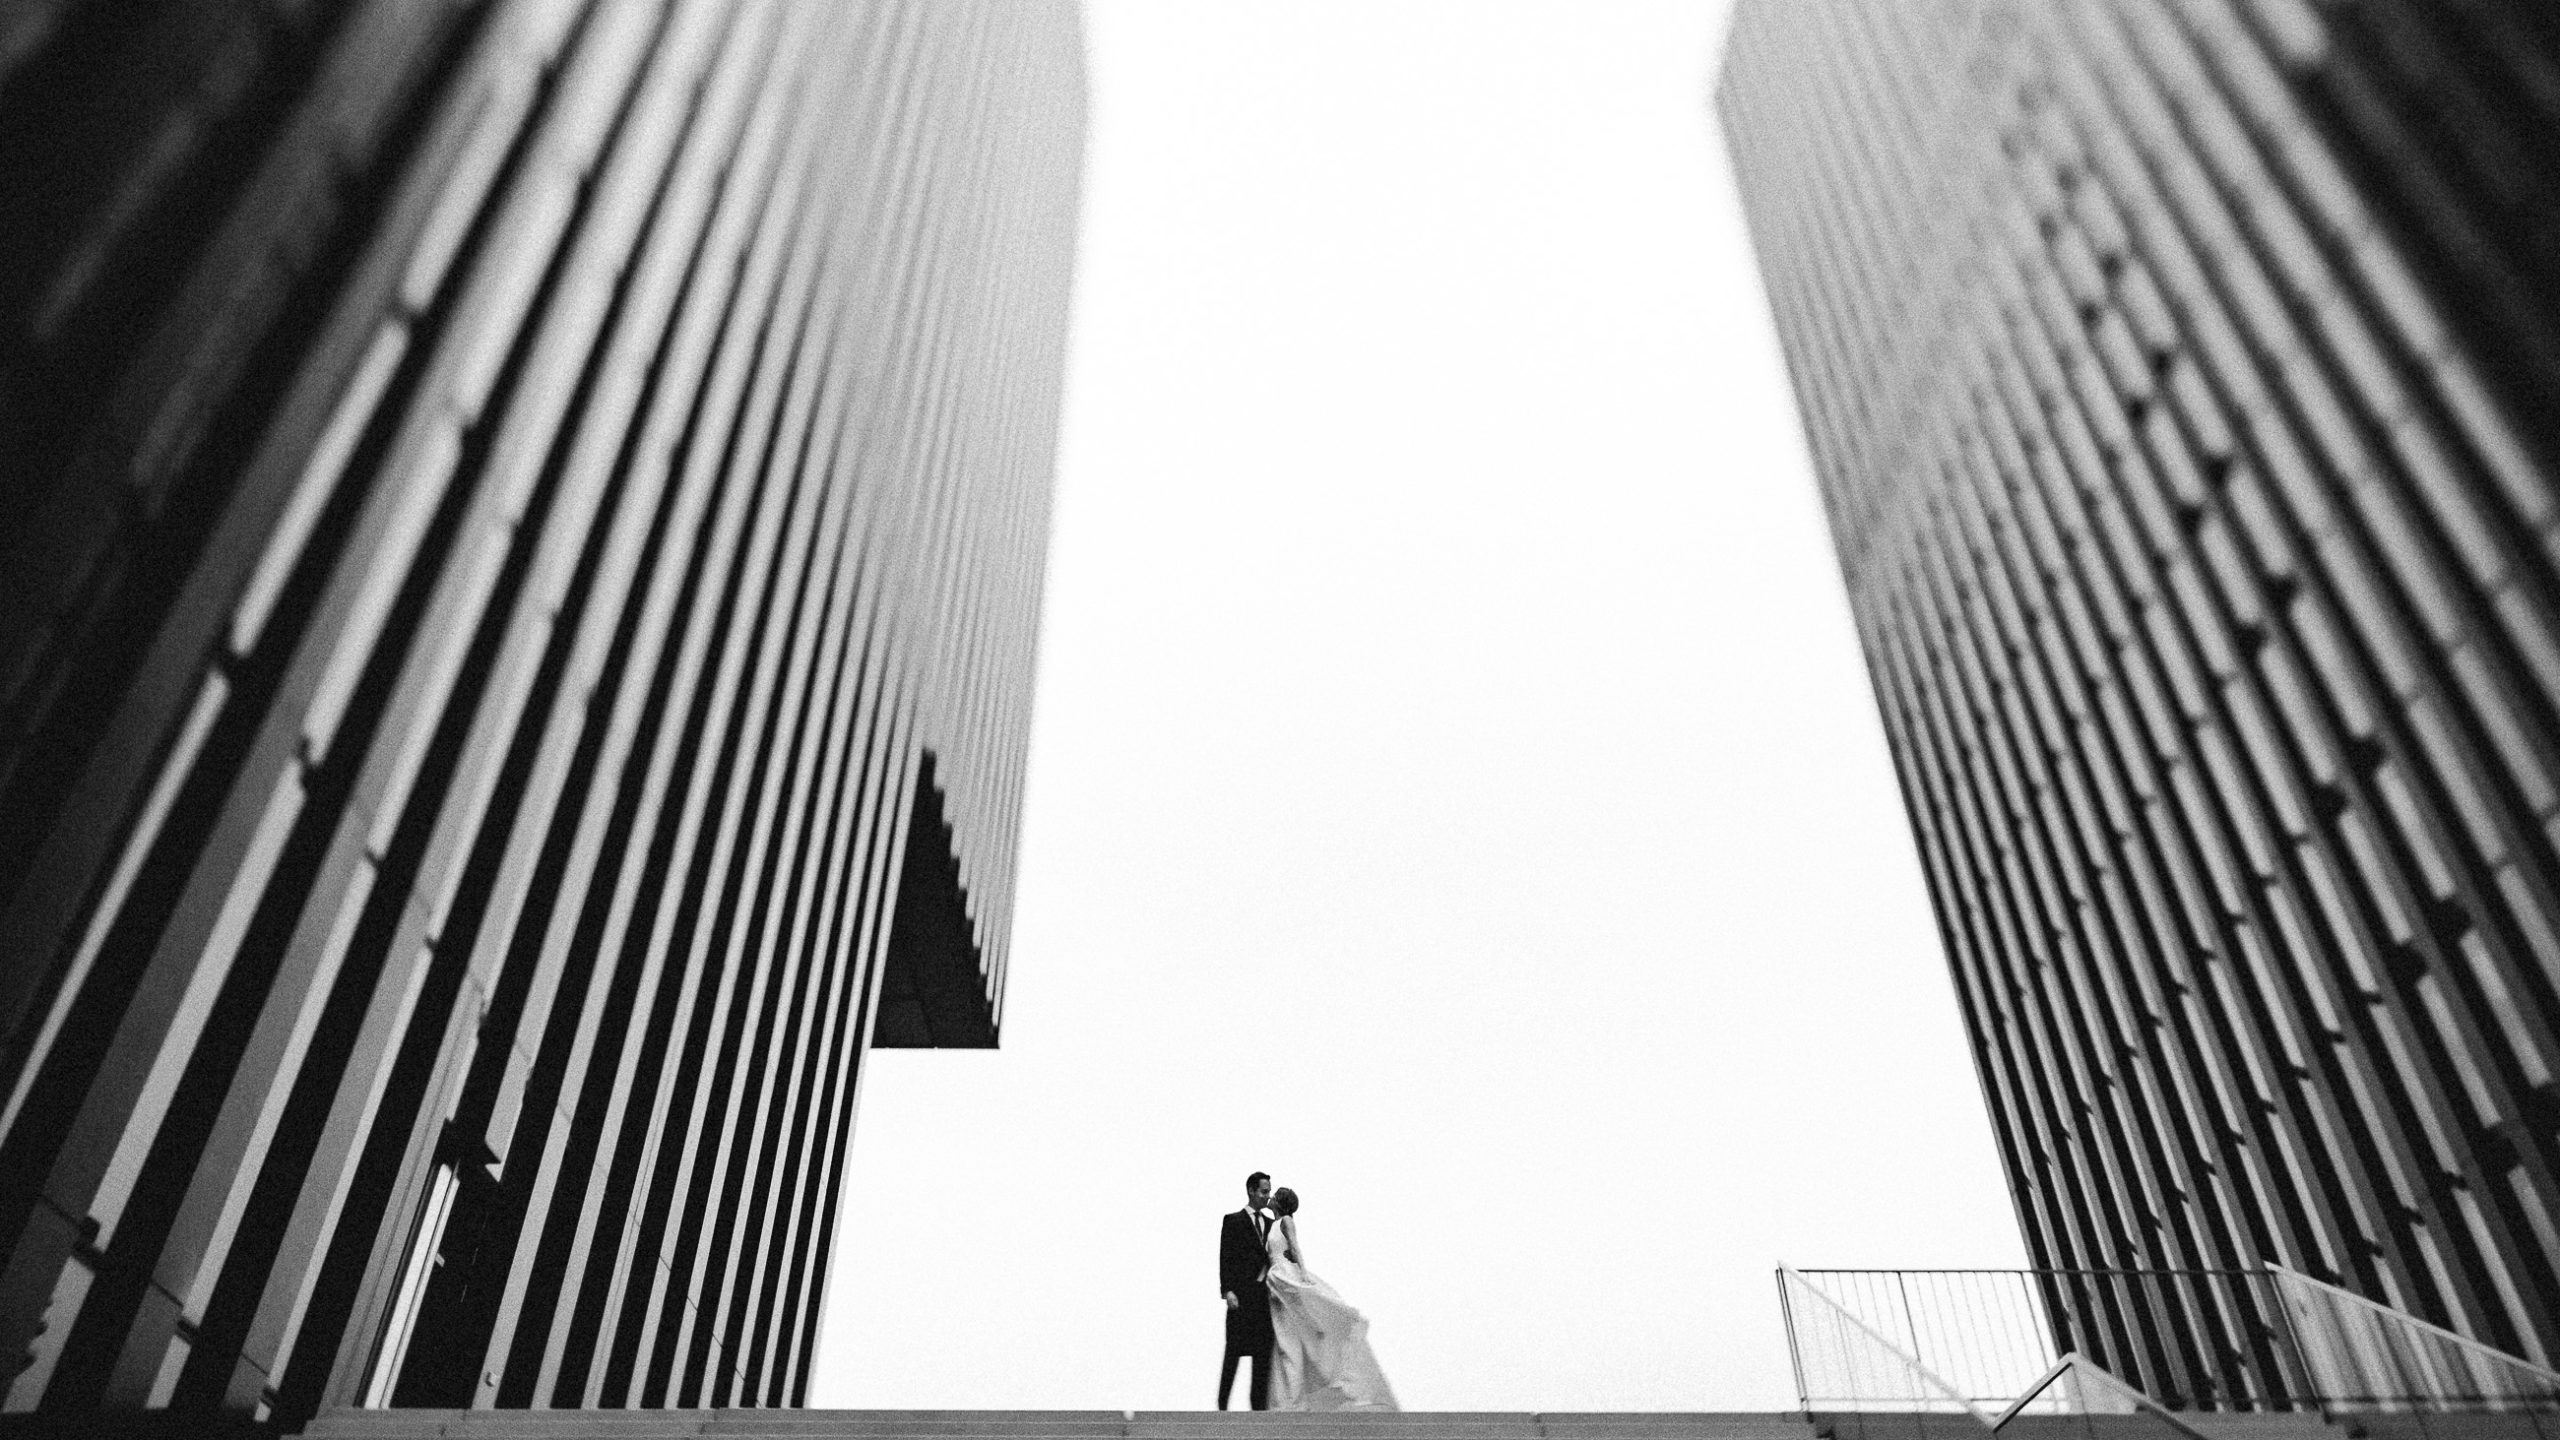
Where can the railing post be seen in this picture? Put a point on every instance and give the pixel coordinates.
(1795, 1354)
(1910, 1323)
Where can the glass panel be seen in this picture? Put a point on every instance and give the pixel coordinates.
(2125, 1353)
(1850, 1340)
(2365, 1356)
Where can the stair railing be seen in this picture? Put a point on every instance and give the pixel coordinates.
(1851, 1365)
(1845, 1365)
(2081, 1374)
(2262, 1340)
(2363, 1355)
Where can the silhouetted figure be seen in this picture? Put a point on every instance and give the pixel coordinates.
(1241, 1267)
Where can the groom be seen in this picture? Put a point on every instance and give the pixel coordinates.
(1242, 1262)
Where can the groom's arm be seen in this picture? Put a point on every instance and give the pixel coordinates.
(1227, 1280)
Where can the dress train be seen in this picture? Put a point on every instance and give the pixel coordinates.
(1320, 1353)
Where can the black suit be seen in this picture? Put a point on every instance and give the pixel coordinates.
(1241, 1263)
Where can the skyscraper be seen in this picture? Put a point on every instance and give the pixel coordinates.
(525, 538)
(2183, 380)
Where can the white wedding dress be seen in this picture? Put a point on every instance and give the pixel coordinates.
(1320, 1352)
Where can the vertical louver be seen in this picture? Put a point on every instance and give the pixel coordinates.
(2184, 385)
(514, 512)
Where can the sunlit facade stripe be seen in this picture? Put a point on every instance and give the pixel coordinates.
(2183, 384)
(526, 539)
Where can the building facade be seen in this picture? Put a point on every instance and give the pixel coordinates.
(526, 525)
(2183, 383)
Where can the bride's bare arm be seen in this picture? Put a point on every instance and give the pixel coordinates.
(1289, 1234)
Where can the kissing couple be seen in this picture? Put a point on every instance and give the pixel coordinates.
(1309, 1348)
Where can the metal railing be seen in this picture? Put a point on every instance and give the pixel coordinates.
(2360, 1355)
(1997, 1343)
(1860, 1355)
(2193, 1339)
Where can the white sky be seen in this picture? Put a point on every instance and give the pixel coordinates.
(1454, 789)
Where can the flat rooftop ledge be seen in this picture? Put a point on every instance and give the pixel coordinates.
(420, 1424)
(1058, 1424)
(1408, 1425)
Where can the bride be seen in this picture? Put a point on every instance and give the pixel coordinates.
(1320, 1352)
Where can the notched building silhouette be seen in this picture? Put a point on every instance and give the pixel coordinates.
(2184, 386)
(524, 536)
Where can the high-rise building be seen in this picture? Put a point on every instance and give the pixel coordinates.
(2183, 380)
(525, 525)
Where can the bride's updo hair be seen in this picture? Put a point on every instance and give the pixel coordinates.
(1285, 1200)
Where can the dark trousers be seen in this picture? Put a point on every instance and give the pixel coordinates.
(1248, 1338)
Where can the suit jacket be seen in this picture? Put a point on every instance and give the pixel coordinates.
(1241, 1258)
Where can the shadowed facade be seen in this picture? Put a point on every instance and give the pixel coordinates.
(2183, 384)
(526, 526)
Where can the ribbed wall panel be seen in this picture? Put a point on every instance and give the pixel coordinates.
(2181, 382)
(531, 520)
